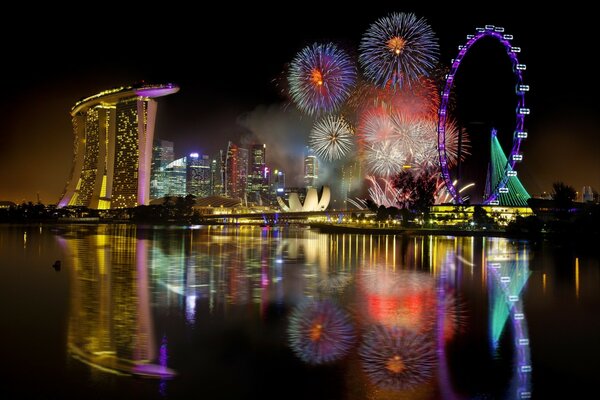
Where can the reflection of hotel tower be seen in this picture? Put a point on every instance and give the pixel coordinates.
(113, 131)
(110, 324)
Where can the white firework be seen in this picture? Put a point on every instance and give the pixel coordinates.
(384, 158)
(395, 142)
(383, 194)
(377, 126)
(331, 137)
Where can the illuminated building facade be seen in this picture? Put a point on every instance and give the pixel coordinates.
(277, 185)
(175, 174)
(351, 179)
(311, 171)
(198, 175)
(217, 174)
(114, 133)
(236, 171)
(162, 155)
(258, 184)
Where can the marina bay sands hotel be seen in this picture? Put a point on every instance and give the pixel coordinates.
(114, 131)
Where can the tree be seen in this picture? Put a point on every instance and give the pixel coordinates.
(417, 191)
(563, 196)
(480, 216)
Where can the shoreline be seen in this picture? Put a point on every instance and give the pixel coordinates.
(326, 228)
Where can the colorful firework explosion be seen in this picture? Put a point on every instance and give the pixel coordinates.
(398, 49)
(393, 142)
(321, 78)
(421, 99)
(331, 137)
(320, 332)
(396, 358)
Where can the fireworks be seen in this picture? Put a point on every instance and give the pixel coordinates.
(396, 358)
(421, 99)
(331, 138)
(319, 332)
(398, 49)
(384, 158)
(383, 194)
(321, 78)
(396, 142)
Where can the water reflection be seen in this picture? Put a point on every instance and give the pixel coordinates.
(110, 324)
(396, 314)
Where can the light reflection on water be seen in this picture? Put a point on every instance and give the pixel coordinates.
(309, 315)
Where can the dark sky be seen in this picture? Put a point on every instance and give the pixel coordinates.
(226, 62)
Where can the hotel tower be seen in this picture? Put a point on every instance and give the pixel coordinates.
(112, 150)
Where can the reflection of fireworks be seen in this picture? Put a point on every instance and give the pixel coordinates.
(454, 316)
(321, 78)
(319, 332)
(399, 298)
(382, 281)
(398, 49)
(335, 282)
(396, 358)
(331, 137)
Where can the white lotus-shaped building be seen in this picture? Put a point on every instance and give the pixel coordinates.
(311, 201)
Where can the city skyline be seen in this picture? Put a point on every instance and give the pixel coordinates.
(246, 105)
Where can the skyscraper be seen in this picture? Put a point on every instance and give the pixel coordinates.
(276, 186)
(162, 155)
(175, 174)
(236, 171)
(311, 170)
(114, 133)
(257, 183)
(198, 175)
(217, 174)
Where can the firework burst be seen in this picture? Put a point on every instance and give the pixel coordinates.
(385, 158)
(421, 99)
(383, 193)
(321, 78)
(398, 49)
(394, 142)
(396, 358)
(319, 332)
(331, 137)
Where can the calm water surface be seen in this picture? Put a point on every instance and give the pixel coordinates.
(250, 312)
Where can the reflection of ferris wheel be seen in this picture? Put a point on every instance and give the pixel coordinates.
(501, 185)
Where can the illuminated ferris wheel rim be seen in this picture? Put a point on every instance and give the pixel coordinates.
(521, 111)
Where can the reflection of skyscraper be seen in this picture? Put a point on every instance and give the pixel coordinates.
(113, 147)
(311, 171)
(110, 323)
(198, 175)
(162, 155)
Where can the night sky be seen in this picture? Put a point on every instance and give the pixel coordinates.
(228, 61)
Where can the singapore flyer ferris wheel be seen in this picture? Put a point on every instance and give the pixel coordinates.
(505, 184)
